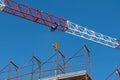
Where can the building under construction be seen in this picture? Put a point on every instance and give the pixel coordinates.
(57, 67)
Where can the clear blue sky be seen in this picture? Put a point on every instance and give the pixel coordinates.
(19, 37)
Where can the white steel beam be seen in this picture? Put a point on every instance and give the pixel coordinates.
(2, 5)
(91, 35)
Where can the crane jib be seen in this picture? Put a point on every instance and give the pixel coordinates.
(56, 23)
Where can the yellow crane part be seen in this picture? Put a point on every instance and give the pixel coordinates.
(55, 45)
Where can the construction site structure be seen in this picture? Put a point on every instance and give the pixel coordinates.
(56, 23)
(57, 67)
(80, 75)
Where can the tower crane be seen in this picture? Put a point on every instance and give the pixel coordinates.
(56, 23)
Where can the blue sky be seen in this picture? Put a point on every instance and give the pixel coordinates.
(19, 38)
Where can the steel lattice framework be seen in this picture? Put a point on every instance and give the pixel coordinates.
(91, 35)
(64, 25)
(34, 15)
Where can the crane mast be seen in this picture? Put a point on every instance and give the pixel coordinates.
(53, 22)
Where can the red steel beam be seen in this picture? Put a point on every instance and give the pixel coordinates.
(35, 15)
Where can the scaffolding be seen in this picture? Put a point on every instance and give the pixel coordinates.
(80, 75)
(57, 67)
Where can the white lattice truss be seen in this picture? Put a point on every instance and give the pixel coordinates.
(91, 35)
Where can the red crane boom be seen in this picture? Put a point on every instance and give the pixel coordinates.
(35, 15)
